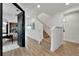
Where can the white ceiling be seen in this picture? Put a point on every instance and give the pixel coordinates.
(47, 11)
(9, 9)
(31, 8)
(49, 8)
(9, 12)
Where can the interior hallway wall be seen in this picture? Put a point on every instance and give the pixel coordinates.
(50, 21)
(71, 26)
(36, 33)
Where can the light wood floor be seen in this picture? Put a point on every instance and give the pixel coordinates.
(34, 49)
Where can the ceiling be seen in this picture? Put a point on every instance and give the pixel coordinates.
(48, 11)
(9, 12)
(9, 9)
(31, 8)
(49, 8)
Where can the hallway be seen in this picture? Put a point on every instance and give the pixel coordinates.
(34, 49)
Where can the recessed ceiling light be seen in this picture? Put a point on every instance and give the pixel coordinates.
(38, 6)
(67, 3)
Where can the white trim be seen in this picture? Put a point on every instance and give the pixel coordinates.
(72, 41)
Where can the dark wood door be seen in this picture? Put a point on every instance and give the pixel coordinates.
(21, 29)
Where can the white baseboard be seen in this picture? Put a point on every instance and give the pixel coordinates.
(72, 41)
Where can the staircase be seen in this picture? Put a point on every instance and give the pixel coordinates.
(44, 19)
(45, 35)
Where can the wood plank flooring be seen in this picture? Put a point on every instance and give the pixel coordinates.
(34, 49)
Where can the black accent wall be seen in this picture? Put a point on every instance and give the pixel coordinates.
(20, 26)
(21, 29)
(0, 29)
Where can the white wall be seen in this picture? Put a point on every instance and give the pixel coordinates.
(53, 25)
(9, 18)
(71, 26)
(46, 28)
(56, 38)
(37, 33)
(50, 21)
(57, 20)
(56, 31)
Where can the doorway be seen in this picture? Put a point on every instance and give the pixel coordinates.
(20, 27)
